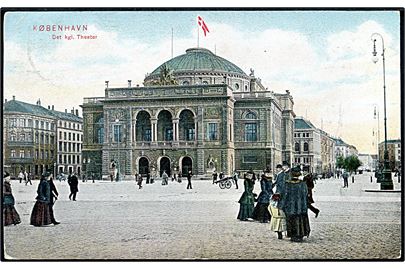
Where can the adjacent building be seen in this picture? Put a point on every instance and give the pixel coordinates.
(307, 145)
(30, 137)
(313, 147)
(196, 112)
(367, 162)
(394, 153)
(343, 149)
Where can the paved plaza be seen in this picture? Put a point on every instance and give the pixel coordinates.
(119, 221)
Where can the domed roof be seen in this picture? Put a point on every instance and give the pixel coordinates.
(201, 60)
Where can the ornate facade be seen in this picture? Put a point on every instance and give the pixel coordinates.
(208, 116)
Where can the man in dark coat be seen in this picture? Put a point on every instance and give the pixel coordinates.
(309, 180)
(189, 175)
(54, 197)
(73, 183)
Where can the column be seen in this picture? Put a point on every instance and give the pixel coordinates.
(176, 129)
(153, 129)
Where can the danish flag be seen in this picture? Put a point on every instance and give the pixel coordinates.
(203, 25)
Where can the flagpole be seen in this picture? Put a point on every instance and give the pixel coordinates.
(172, 42)
(198, 36)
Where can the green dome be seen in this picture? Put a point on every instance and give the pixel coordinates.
(201, 60)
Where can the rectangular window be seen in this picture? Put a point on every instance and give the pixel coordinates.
(69, 159)
(65, 146)
(52, 126)
(13, 122)
(117, 133)
(78, 159)
(70, 136)
(42, 124)
(74, 147)
(21, 122)
(28, 153)
(73, 159)
(81, 136)
(190, 134)
(74, 136)
(46, 139)
(36, 124)
(12, 137)
(47, 126)
(298, 135)
(249, 159)
(168, 134)
(42, 138)
(60, 159)
(250, 132)
(22, 137)
(36, 154)
(52, 139)
(12, 153)
(29, 122)
(64, 159)
(147, 135)
(212, 131)
(69, 147)
(60, 135)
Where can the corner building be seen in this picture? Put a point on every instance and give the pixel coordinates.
(195, 112)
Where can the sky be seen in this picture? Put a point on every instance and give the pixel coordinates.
(323, 57)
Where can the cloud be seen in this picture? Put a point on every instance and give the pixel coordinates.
(335, 85)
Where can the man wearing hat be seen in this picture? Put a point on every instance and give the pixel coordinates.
(296, 205)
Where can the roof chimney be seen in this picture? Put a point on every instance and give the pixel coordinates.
(38, 101)
(129, 83)
(77, 112)
(65, 110)
(106, 84)
(5, 101)
(49, 107)
(13, 97)
(73, 110)
(53, 108)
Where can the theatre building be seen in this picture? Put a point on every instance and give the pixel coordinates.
(196, 112)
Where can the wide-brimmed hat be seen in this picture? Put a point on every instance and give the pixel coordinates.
(46, 174)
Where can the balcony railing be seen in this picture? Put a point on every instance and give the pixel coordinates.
(19, 143)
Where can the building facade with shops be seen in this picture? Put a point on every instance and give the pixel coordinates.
(30, 136)
(197, 112)
(394, 153)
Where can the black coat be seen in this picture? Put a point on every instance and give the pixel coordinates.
(73, 183)
(54, 192)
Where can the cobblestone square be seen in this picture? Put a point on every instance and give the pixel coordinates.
(119, 221)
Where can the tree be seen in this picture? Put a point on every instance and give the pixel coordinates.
(340, 162)
(352, 163)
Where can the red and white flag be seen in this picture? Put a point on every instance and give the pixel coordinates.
(203, 25)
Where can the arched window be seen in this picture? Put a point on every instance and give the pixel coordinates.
(306, 147)
(186, 83)
(250, 115)
(297, 147)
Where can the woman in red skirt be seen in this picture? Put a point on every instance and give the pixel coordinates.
(40, 215)
(10, 215)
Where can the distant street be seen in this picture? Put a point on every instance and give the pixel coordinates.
(119, 221)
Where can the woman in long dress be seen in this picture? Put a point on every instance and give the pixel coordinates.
(261, 212)
(10, 215)
(247, 199)
(40, 215)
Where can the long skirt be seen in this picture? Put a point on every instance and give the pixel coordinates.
(245, 211)
(298, 226)
(10, 215)
(40, 215)
(261, 212)
(278, 220)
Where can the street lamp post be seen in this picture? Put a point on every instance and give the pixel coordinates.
(386, 181)
(118, 148)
